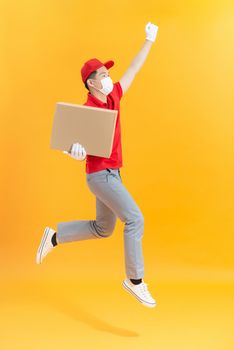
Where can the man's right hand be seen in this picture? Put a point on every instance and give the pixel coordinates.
(151, 31)
(78, 152)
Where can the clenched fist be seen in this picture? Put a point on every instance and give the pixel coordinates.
(151, 31)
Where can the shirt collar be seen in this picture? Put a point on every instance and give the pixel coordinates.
(95, 100)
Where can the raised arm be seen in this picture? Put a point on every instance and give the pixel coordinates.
(151, 33)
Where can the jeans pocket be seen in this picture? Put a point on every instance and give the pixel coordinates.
(99, 176)
(114, 177)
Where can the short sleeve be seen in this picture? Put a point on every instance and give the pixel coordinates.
(119, 89)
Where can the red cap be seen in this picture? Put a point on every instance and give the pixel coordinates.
(93, 64)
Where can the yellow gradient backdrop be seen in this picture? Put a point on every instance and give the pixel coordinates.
(178, 164)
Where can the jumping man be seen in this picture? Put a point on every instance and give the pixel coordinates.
(104, 180)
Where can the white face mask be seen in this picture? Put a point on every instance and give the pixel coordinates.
(107, 85)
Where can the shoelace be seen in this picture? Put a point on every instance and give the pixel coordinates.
(143, 287)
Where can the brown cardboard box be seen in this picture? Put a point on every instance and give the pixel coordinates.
(92, 127)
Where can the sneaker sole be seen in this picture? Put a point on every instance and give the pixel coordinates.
(137, 297)
(43, 240)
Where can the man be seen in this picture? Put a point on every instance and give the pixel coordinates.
(104, 179)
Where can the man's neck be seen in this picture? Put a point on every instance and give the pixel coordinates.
(99, 96)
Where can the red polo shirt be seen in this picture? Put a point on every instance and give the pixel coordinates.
(96, 163)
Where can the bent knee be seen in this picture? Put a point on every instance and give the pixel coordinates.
(107, 230)
(137, 219)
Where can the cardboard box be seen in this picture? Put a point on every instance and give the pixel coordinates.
(92, 127)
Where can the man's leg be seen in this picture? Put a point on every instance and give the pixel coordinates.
(78, 230)
(108, 187)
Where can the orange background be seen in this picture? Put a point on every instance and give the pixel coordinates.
(177, 136)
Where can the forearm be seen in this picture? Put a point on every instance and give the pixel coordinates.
(140, 58)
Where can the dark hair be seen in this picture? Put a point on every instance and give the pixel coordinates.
(91, 76)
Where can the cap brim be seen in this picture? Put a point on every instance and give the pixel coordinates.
(109, 64)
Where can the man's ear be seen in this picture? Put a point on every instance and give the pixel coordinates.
(90, 80)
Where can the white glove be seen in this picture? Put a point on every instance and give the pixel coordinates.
(151, 31)
(77, 151)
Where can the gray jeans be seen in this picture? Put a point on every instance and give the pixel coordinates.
(112, 201)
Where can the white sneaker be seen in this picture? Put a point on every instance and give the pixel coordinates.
(46, 245)
(140, 292)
